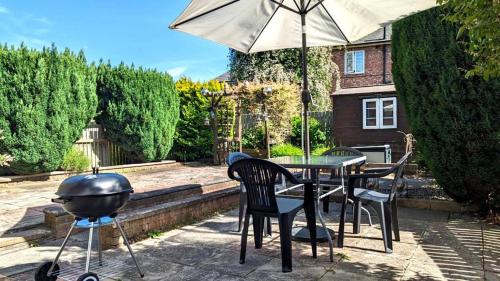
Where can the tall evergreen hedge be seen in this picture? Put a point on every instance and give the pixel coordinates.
(139, 109)
(46, 100)
(454, 119)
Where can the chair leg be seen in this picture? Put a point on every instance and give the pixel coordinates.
(311, 225)
(340, 242)
(369, 215)
(357, 216)
(243, 202)
(386, 226)
(258, 229)
(244, 235)
(269, 229)
(326, 201)
(395, 222)
(285, 223)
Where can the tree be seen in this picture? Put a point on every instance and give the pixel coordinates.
(479, 22)
(284, 66)
(46, 99)
(455, 119)
(139, 109)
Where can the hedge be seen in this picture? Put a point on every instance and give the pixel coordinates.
(454, 119)
(139, 109)
(46, 100)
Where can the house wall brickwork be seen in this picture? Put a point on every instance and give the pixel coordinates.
(347, 122)
(373, 74)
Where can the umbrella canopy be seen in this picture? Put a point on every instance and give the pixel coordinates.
(262, 25)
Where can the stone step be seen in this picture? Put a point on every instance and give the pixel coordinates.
(59, 221)
(138, 223)
(33, 222)
(23, 239)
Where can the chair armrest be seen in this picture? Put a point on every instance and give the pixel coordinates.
(376, 170)
(370, 174)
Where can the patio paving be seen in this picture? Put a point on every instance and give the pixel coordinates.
(434, 246)
(22, 204)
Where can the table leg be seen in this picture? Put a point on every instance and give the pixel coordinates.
(318, 200)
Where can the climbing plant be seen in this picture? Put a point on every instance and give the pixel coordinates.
(284, 66)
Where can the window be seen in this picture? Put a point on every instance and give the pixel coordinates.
(355, 62)
(380, 113)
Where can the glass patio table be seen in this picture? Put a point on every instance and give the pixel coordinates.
(312, 168)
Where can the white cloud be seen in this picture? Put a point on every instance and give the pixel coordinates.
(177, 71)
(43, 20)
(32, 41)
(4, 10)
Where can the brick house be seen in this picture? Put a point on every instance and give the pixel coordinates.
(366, 109)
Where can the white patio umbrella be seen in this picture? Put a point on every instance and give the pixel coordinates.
(261, 25)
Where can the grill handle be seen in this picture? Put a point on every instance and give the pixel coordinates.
(60, 200)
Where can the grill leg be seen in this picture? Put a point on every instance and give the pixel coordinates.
(128, 246)
(99, 246)
(89, 247)
(49, 273)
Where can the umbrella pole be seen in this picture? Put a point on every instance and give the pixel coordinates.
(306, 97)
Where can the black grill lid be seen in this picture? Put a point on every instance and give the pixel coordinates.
(92, 185)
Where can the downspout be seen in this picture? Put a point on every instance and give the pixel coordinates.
(384, 60)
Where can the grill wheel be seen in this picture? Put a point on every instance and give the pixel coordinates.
(42, 270)
(88, 277)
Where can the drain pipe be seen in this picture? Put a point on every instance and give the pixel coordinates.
(384, 59)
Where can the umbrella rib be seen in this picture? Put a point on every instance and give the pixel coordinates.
(285, 7)
(268, 21)
(320, 2)
(296, 5)
(326, 10)
(204, 13)
(307, 6)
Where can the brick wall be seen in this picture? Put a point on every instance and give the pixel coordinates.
(373, 74)
(348, 124)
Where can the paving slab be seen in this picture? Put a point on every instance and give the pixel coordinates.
(432, 248)
(22, 204)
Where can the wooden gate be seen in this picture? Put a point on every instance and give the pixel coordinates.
(99, 150)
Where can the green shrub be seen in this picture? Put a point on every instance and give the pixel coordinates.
(46, 100)
(319, 150)
(281, 105)
(75, 160)
(254, 138)
(454, 119)
(286, 149)
(139, 109)
(4, 158)
(317, 134)
(193, 139)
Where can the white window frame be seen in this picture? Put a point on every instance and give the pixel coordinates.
(379, 113)
(354, 62)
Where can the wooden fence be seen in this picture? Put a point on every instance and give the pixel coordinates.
(325, 118)
(100, 150)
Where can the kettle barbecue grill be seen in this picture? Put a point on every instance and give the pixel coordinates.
(94, 201)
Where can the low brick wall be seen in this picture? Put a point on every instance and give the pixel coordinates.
(137, 222)
(168, 216)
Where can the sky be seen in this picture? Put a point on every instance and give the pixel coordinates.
(132, 31)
